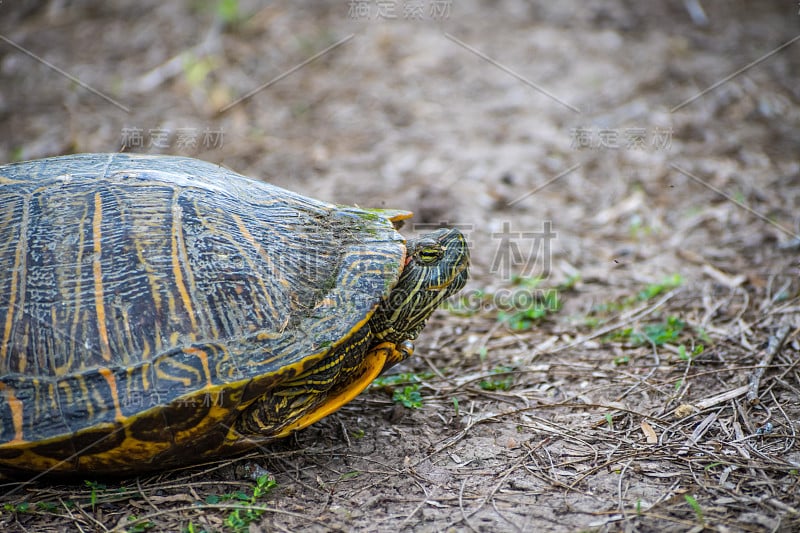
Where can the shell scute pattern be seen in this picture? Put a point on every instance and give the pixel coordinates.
(139, 286)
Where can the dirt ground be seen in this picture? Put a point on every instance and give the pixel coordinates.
(627, 175)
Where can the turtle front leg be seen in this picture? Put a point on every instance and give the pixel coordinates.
(319, 391)
(397, 352)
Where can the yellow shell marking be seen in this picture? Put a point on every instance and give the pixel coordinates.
(179, 250)
(112, 384)
(12, 297)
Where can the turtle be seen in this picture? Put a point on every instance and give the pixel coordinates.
(157, 311)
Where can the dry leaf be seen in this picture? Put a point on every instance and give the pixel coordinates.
(649, 433)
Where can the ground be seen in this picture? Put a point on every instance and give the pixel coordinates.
(627, 176)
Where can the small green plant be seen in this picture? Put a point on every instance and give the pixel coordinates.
(712, 465)
(609, 420)
(527, 303)
(698, 511)
(191, 528)
(526, 281)
(196, 69)
(455, 404)
(659, 333)
(684, 355)
(483, 353)
(264, 484)
(702, 335)
(94, 487)
(500, 383)
(140, 527)
(591, 322)
(228, 11)
(654, 289)
(23, 507)
(239, 520)
(358, 433)
(48, 507)
(399, 379)
(570, 282)
(409, 396)
(526, 310)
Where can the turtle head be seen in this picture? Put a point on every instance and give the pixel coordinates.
(436, 267)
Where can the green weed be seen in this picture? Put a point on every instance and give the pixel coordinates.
(140, 527)
(399, 379)
(493, 384)
(228, 11)
(537, 306)
(698, 511)
(684, 355)
(658, 333)
(409, 396)
(196, 69)
(94, 487)
(655, 289)
(23, 507)
(239, 520)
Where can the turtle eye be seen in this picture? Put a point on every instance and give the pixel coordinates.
(429, 254)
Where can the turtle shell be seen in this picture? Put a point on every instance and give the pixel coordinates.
(145, 301)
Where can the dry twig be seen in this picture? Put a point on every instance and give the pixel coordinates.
(775, 344)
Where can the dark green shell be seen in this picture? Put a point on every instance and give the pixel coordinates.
(131, 284)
